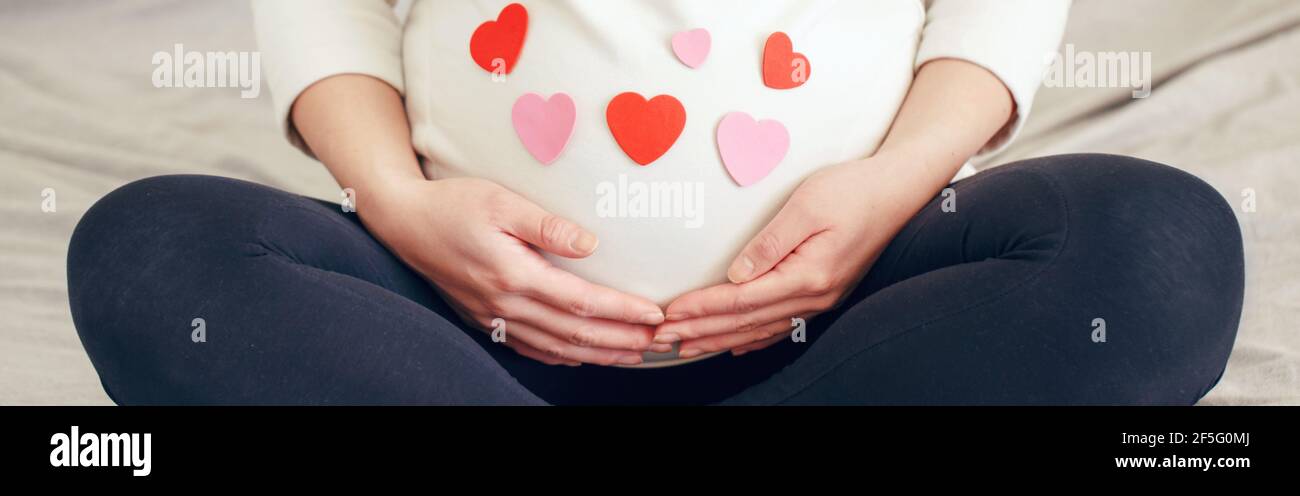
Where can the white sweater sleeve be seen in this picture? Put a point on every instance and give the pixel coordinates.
(1013, 39)
(305, 41)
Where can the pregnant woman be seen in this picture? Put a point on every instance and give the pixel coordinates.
(730, 202)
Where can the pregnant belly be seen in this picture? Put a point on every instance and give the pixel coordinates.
(673, 224)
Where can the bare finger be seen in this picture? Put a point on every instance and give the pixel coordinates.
(570, 293)
(712, 325)
(696, 347)
(562, 350)
(584, 331)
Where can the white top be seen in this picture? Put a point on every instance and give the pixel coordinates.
(862, 57)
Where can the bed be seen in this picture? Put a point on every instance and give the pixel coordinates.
(81, 117)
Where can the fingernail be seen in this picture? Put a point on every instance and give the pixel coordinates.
(652, 318)
(661, 348)
(688, 353)
(586, 243)
(667, 338)
(573, 364)
(630, 360)
(677, 316)
(738, 352)
(739, 273)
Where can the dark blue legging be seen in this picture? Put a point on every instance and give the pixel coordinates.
(993, 303)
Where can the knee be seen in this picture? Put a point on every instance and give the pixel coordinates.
(126, 223)
(129, 259)
(1123, 210)
(1150, 216)
(118, 232)
(110, 227)
(135, 232)
(1162, 250)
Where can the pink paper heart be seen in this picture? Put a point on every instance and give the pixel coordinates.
(750, 149)
(692, 47)
(544, 126)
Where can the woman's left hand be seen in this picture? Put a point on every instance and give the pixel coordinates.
(837, 222)
(802, 263)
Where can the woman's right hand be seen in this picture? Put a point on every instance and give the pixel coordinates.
(471, 238)
(475, 239)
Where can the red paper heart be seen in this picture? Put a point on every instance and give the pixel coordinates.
(783, 68)
(500, 39)
(645, 129)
